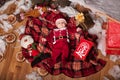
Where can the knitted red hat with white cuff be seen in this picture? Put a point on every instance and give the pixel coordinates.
(60, 19)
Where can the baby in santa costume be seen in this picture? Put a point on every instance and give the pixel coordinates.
(60, 41)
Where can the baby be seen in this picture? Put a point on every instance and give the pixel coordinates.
(60, 41)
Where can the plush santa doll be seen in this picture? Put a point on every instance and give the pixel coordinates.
(34, 50)
(28, 43)
(60, 41)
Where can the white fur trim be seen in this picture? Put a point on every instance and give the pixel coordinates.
(60, 29)
(60, 19)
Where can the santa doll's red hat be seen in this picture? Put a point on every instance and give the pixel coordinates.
(21, 36)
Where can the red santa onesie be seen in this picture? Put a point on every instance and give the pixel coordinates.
(60, 41)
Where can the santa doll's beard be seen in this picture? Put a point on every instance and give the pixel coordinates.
(27, 43)
(29, 46)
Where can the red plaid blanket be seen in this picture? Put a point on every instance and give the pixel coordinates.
(73, 68)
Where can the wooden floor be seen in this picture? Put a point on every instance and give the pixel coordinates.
(10, 69)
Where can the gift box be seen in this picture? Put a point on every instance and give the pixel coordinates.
(113, 38)
(83, 49)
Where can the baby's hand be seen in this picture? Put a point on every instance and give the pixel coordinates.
(44, 40)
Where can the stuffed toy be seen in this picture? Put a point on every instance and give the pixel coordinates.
(60, 41)
(35, 51)
(27, 42)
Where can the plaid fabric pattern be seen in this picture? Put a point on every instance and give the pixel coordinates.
(34, 31)
(74, 68)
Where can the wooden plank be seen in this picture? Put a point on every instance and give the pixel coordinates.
(9, 54)
(10, 76)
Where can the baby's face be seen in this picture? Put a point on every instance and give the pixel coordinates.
(60, 24)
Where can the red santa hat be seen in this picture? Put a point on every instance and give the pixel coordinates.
(60, 19)
(21, 36)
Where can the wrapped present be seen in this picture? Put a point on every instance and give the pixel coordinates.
(113, 38)
(83, 49)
